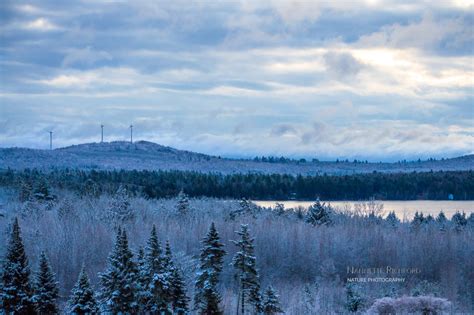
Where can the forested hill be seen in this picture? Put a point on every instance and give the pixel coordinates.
(144, 155)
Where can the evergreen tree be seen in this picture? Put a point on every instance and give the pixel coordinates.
(246, 207)
(26, 191)
(319, 214)
(177, 288)
(16, 291)
(271, 303)
(42, 190)
(82, 300)
(418, 221)
(354, 300)
(142, 281)
(392, 220)
(244, 262)
(156, 277)
(470, 220)
(119, 210)
(46, 289)
(459, 221)
(442, 221)
(279, 208)
(207, 297)
(119, 287)
(183, 204)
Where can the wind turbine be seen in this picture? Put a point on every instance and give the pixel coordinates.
(131, 133)
(102, 134)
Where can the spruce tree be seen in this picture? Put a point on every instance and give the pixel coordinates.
(119, 210)
(418, 221)
(119, 288)
(183, 204)
(82, 300)
(16, 293)
(177, 287)
(155, 276)
(207, 297)
(354, 301)
(142, 281)
(392, 220)
(244, 262)
(442, 221)
(271, 303)
(46, 289)
(319, 214)
(459, 221)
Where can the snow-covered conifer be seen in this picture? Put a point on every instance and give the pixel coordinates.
(459, 221)
(271, 303)
(418, 221)
(319, 214)
(207, 297)
(46, 291)
(244, 262)
(16, 291)
(442, 221)
(183, 204)
(354, 301)
(119, 288)
(392, 220)
(177, 288)
(119, 210)
(156, 276)
(82, 300)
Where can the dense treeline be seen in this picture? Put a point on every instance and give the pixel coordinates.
(159, 184)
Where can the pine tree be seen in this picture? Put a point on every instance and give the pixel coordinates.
(82, 300)
(459, 220)
(177, 288)
(442, 221)
(16, 293)
(271, 303)
(26, 191)
(46, 288)
(42, 191)
(319, 214)
(354, 300)
(418, 221)
(119, 280)
(155, 276)
(183, 204)
(119, 210)
(244, 262)
(207, 298)
(142, 281)
(246, 207)
(392, 220)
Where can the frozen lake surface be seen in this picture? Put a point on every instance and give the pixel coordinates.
(403, 209)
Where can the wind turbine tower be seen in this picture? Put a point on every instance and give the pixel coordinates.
(50, 140)
(131, 133)
(102, 134)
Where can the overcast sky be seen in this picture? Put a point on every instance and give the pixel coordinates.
(374, 79)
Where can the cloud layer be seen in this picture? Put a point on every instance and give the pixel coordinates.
(373, 79)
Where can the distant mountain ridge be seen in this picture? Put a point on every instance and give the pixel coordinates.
(144, 155)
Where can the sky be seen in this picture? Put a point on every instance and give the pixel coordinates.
(375, 79)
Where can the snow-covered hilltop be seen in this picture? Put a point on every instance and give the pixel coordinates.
(143, 155)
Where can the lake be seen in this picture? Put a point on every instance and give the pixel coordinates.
(403, 209)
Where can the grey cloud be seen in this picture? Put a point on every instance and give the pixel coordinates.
(283, 129)
(342, 65)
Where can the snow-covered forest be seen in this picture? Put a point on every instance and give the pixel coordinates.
(65, 252)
